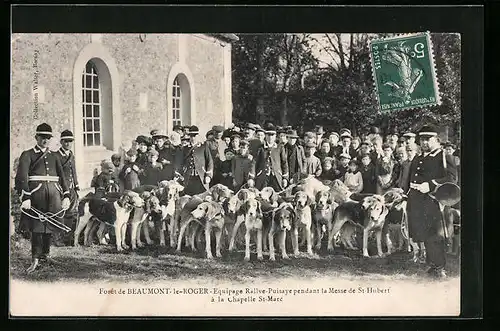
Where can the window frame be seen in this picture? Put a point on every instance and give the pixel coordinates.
(90, 73)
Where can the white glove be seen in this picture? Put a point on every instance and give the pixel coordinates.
(285, 183)
(26, 204)
(65, 203)
(207, 180)
(136, 168)
(128, 170)
(250, 183)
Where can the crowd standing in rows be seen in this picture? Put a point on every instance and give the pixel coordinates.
(269, 156)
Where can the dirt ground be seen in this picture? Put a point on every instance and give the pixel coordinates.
(154, 263)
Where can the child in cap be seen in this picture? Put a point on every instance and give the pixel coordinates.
(353, 178)
(241, 166)
(131, 171)
(152, 170)
(367, 169)
(330, 172)
(312, 164)
(226, 173)
(105, 181)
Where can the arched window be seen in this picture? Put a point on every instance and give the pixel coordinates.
(91, 106)
(181, 101)
(176, 102)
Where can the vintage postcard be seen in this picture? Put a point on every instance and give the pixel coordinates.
(221, 174)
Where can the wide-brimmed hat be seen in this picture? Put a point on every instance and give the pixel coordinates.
(193, 130)
(334, 134)
(319, 129)
(258, 128)
(409, 134)
(67, 135)
(345, 156)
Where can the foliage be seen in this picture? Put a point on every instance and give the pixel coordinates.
(304, 79)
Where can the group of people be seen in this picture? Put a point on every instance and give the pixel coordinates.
(252, 156)
(264, 156)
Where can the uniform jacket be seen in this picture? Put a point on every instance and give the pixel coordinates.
(424, 214)
(200, 160)
(271, 158)
(152, 174)
(45, 196)
(67, 159)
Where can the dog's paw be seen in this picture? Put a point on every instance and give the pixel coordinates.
(246, 258)
(140, 244)
(218, 254)
(272, 258)
(260, 257)
(285, 257)
(162, 244)
(210, 257)
(125, 246)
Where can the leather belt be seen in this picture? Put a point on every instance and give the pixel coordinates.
(43, 178)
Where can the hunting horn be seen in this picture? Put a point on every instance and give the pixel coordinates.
(447, 194)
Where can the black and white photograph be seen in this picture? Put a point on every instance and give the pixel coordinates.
(235, 174)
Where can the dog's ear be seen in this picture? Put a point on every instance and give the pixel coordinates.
(274, 197)
(309, 201)
(180, 188)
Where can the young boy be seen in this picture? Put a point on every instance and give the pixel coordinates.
(329, 172)
(226, 169)
(152, 171)
(353, 178)
(312, 163)
(343, 165)
(131, 171)
(368, 173)
(241, 166)
(105, 181)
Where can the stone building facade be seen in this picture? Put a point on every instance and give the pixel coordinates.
(109, 88)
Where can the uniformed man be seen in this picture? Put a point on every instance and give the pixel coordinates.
(67, 159)
(41, 182)
(425, 220)
(271, 164)
(198, 169)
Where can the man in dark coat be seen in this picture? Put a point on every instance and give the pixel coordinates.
(271, 164)
(67, 159)
(41, 182)
(198, 169)
(295, 156)
(216, 145)
(256, 143)
(425, 219)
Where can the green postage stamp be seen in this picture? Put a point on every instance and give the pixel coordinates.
(404, 72)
